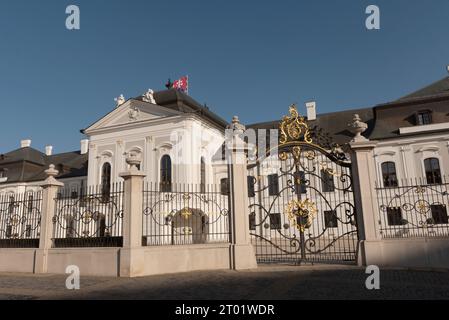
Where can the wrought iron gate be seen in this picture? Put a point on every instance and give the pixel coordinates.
(301, 198)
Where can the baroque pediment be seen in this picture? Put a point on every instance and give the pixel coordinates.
(130, 112)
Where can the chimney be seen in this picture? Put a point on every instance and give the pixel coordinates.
(25, 143)
(84, 146)
(311, 110)
(49, 150)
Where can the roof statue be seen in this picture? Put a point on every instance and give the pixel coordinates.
(120, 100)
(148, 96)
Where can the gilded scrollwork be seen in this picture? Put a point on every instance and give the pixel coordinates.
(294, 128)
(307, 203)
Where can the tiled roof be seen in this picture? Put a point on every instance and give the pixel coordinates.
(28, 164)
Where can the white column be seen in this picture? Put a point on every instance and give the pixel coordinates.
(366, 204)
(242, 251)
(364, 178)
(131, 258)
(50, 189)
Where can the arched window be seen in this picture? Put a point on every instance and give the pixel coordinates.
(203, 175)
(106, 181)
(433, 172)
(166, 178)
(389, 177)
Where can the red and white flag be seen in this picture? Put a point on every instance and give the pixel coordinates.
(182, 84)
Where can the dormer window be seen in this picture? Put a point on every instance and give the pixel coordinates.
(3, 174)
(424, 117)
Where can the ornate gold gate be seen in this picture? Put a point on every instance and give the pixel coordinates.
(301, 198)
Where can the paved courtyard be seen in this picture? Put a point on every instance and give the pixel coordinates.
(267, 282)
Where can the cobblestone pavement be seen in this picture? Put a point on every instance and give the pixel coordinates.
(264, 283)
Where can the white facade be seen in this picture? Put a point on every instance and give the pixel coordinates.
(152, 132)
(409, 153)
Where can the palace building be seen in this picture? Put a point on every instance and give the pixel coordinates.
(346, 186)
(413, 136)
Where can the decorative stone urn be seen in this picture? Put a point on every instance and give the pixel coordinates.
(358, 127)
(236, 125)
(133, 160)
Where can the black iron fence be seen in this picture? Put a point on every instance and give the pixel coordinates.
(302, 211)
(20, 220)
(89, 217)
(414, 208)
(188, 214)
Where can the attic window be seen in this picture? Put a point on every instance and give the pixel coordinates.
(423, 117)
(3, 173)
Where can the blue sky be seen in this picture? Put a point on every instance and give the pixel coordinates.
(250, 58)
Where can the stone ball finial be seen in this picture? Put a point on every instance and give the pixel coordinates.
(51, 171)
(358, 127)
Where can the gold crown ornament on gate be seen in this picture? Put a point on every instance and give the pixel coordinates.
(294, 128)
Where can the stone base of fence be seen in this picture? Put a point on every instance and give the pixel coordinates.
(243, 257)
(429, 253)
(133, 262)
(17, 260)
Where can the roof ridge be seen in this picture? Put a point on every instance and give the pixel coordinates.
(422, 91)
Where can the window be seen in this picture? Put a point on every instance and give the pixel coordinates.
(423, 117)
(203, 175)
(204, 223)
(330, 219)
(433, 173)
(300, 182)
(9, 231)
(106, 181)
(439, 214)
(11, 204)
(166, 174)
(394, 217)
(3, 173)
(275, 221)
(74, 193)
(28, 231)
(83, 200)
(70, 230)
(328, 181)
(30, 203)
(273, 184)
(223, 151)
(389, 176)
(251, 186)
(224, 186)
(102, 223)
(252, 221)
